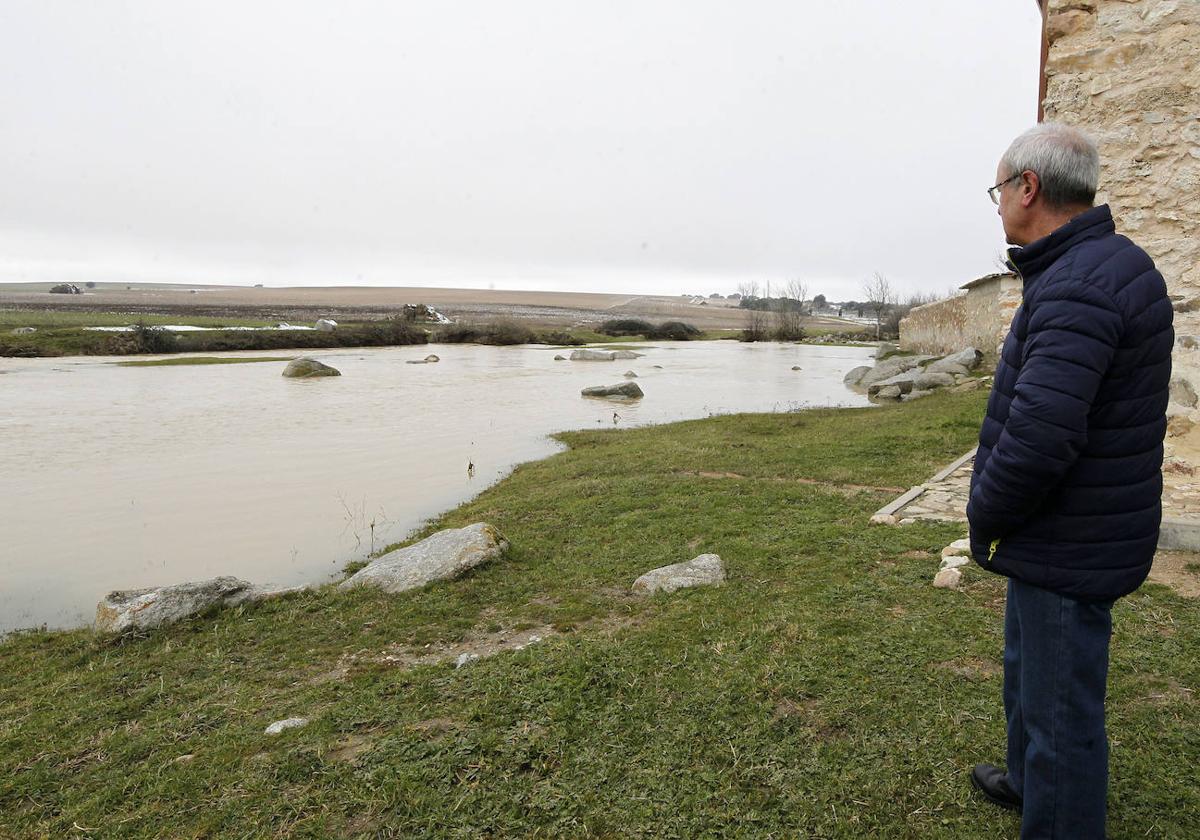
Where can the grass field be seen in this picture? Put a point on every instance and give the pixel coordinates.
(825, 690)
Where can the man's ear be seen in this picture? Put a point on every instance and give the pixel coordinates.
(1030, 186)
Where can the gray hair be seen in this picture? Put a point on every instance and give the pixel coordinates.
(1065, 159)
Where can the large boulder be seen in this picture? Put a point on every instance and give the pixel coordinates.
(892, 367)
(628, 390)
(326, 325)
(903, 381)
(968, 358)
(305, 367)
(587, 354)
(704, 570)
(143, 609)
(445, 555)
(626, 354)
(888, 392)
(855, 376)
(885, 349)
(929, 380)
(946, 366)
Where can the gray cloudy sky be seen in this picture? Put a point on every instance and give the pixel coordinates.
(658, 146)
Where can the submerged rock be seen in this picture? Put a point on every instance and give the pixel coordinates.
(630, 375)
(707, 569)
(587, 354)
(628, 390)
(144, 609)
(626, 354)
(304, 367)
(445, 555)
(855, 376)
(560, 358)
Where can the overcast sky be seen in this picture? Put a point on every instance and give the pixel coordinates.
(658, 146)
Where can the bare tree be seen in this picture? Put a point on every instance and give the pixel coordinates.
(756, 318)
(789, 311)
(879, 296)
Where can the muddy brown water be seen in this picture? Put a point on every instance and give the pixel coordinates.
(117, 478)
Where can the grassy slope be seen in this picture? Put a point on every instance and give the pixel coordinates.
(826, 690)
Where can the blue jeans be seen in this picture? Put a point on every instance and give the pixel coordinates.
(1055, 674)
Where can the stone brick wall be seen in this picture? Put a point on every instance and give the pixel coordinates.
(979, 318)
(1128, 72)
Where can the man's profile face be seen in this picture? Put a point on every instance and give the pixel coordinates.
(1009, 204)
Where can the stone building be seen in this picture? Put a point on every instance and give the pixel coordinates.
(978, 318)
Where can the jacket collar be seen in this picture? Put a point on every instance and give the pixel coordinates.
(1037, 256)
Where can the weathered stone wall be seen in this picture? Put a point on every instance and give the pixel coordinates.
(979, 318)
(1128, 72)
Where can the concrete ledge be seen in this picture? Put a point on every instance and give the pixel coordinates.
(897, 503)
(1179, 534)
(944, 474)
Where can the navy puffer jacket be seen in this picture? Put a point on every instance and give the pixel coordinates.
(1067, 488)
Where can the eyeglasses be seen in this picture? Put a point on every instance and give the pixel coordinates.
(994, 192)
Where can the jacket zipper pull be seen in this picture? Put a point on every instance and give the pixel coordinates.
(992, 549)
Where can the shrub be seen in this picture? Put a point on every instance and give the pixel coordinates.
(503, 332)
(625, 326)
(673, 331)
(559, 337)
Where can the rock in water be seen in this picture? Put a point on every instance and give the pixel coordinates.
(630, 375)
(442, 556)
(432, 357)
(855, 376)
(144, 609)
(628, 390)
(626, 354)
(586, 354)
(560, 358)
(326, 325)
(704, 570)
(305, 367)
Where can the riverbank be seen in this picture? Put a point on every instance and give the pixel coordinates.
(825, 690)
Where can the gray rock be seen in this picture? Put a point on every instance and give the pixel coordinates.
(305, 367)
(797, 367)
(144, 609)
(658, 367)
(956, 562)
(464, 659)
(630, 375)
(885, 349)
(947, 578)
(24, 330)
(855, 376)
(628, 390)
(903, 381)
(968, 358)
(254, 594)
(1182, 392)
(326, 325)
(916, 394)
(587, 354)
(445, 555)
(892, 367)
(288, 723)
(432, 358)
(946, 366)
(626, 354)
(704, 570)
(428, 360)
(888, 392)
(928, 381)
(560, 358)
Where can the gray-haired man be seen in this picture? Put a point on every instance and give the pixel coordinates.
(1065, 499)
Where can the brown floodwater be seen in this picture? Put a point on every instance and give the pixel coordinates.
(125, 477)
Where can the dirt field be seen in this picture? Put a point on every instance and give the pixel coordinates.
(549, 309)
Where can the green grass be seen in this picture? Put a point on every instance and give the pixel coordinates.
(202, 360)
(62, 318)
(826, 690)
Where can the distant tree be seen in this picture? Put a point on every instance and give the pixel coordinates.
(716, 296)
(818, 302)
(787, 311)
(880, 297)
(735, 296)
(756, 319)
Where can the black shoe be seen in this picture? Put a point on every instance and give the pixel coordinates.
(992, 782)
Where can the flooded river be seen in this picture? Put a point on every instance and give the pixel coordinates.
(124, 477)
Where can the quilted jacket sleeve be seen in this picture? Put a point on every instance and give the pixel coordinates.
(1074, 331)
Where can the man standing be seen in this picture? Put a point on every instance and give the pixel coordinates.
(1066, 494)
